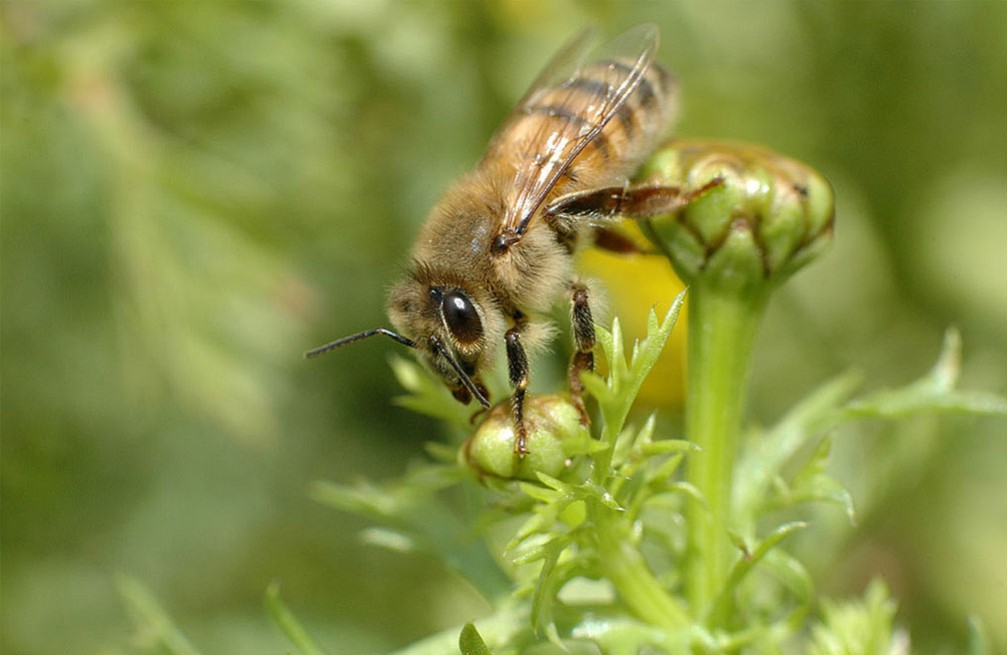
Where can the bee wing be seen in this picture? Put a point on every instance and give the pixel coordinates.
(561, 67)
(549, 148)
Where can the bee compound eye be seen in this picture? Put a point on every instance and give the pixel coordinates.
(461, 316)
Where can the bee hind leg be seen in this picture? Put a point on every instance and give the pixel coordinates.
(584, 339)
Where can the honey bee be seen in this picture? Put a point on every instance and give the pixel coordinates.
(498, 248)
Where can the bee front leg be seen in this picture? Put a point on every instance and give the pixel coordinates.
(635, 202)
(584, 339)
(517, 370)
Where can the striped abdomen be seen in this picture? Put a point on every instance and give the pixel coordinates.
(553, 121)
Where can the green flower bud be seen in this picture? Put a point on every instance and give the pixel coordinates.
(769, 216)
(555, 435)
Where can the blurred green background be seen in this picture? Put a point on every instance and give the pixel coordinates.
(193, 193)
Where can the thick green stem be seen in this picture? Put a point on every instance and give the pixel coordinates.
(753, 219)
(722, 328)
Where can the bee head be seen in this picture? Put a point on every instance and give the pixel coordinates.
(447, 325)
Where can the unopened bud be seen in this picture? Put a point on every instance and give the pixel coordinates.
(555, 435)
(768, 216)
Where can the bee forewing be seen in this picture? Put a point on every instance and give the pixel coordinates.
(567, 116)
(564, 63)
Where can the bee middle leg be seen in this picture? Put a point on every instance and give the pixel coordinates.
(584, 339)
(517, 371)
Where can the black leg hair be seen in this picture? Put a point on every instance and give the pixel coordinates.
(584, 339)
(517, 369)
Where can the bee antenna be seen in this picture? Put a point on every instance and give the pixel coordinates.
(405, 341)
(462, 375)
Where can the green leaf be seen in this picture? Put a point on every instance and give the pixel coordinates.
(685, 489)
(413, 516)
(792, 574)
(550, 579)
(627, 442)
(539, 529)
(470, 642)
(156, 627)
(428, 396)
(291, 627)
(398, 500)
(811, 484)
(621, 636)
(823, 488)
(626, 377)
(934, 392)
(767, 454)
(616, 394)
(659, 475)
(667, 446)
(595, 385)
(979, 643)
(860, 627)
(507, 625)
(748, 560)
(388, 539)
